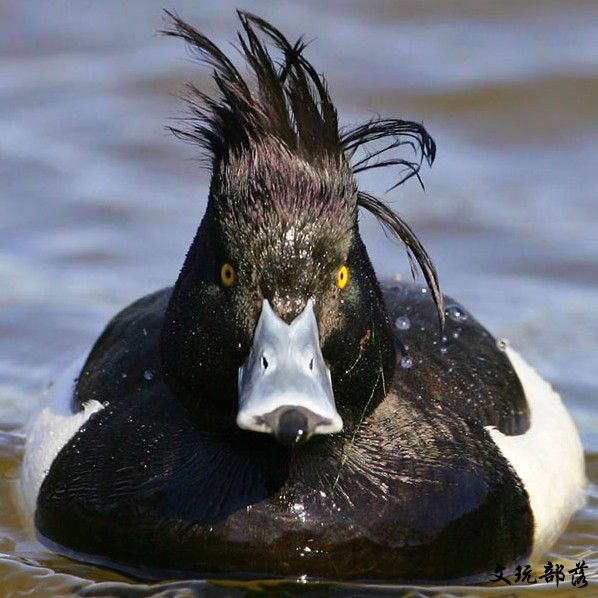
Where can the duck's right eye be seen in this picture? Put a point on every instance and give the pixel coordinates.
(342, 277)
(227, 275)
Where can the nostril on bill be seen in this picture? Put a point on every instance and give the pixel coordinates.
(292, 427)
(264, 362)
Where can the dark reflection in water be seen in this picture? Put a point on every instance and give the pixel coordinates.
(98, 203)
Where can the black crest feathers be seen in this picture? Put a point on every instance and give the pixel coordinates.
(289, 103)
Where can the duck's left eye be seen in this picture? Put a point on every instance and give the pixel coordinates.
(227, 275)
(342, 277)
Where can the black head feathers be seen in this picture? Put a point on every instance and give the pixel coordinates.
(288, 110)
(290, 102)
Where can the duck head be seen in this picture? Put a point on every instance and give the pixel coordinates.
(276, 323)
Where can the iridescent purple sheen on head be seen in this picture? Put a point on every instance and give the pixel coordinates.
(283, 171)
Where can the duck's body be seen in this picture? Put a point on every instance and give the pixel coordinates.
(428, 488)
(277, 412)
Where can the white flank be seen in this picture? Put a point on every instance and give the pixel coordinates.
(548, 458)
(51, 426)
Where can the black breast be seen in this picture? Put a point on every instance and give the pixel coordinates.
(417, 494)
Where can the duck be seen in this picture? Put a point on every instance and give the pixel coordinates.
(279, 412)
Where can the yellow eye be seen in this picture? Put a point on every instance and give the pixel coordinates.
(227, 275)
(342, 277)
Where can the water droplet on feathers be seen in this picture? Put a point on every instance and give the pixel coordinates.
(456, 313)
(502, 344)
(403, 323)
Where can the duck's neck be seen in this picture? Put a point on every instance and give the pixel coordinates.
(362, 355)
(198, 347)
